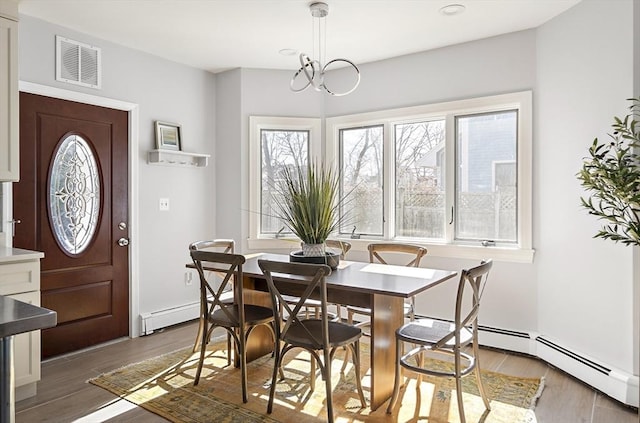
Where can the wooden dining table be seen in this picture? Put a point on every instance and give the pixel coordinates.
(381, 288)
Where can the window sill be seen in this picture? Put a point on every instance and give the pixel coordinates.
(513, 255)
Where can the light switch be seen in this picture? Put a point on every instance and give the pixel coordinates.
(164, 204)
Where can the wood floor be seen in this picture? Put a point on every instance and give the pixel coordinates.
(64, 395)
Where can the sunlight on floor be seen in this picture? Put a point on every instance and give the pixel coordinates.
(107, 412)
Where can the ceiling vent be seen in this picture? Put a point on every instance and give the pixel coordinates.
(78, 63)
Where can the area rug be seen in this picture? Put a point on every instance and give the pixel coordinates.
(164, 386)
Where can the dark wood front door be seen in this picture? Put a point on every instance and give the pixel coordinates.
(72, 201)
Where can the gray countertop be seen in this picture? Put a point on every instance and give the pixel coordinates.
(8, 255)
(18, 317)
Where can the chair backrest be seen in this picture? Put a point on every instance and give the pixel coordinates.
(342, 246)
(219, 245)
(466, 315)
(229, 267)
(378, 251)
(312, 277)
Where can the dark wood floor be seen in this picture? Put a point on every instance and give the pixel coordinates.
(64, 395)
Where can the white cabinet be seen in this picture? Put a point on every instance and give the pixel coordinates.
(20, 280)
(9, 141)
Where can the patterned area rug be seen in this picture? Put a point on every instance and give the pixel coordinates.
(164, 385)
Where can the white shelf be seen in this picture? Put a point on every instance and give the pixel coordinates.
(177, 158)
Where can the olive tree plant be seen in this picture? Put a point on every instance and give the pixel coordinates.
(611, 177)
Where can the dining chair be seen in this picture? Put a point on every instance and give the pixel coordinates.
(235, 317)
(315, 335)
(224, 246)
(343, 247)
(447, 339)
(381, 253)
(312, 307)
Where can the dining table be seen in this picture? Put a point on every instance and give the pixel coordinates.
(382, 288)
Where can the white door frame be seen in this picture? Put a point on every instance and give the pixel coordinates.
(133, 111)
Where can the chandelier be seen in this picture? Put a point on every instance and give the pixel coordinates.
(312, 71)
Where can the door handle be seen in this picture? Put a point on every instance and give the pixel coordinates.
(14, 222)
(123, 242)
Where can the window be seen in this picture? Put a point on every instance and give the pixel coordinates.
(486, 194)
(449, 175)
(276, 143)
(362, 177)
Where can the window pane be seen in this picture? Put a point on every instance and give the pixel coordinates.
(279, 149)
(486, 152)
(74, 194)
(361, 167)
(420, 197)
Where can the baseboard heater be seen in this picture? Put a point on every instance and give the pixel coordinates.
(150, 322)
(616, 383)
(613, 382)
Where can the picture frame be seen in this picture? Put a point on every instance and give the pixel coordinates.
(168, 136)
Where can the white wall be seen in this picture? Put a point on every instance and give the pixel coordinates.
(585, 286)
(164, 91)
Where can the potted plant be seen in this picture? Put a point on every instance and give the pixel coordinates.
(307, 200)
(611, 174)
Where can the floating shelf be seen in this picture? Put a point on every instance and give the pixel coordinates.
(177, 158)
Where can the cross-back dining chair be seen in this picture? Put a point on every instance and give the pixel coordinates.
(222, 246)
(319, 336)
(313, 306)
(447, 339)
(379, 253)
(343, 248)
(235, 317)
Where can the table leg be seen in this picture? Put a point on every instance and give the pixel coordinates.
(260, 341)
(387, 316)
(7, 381)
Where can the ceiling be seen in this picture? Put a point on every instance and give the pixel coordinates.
(216, 35)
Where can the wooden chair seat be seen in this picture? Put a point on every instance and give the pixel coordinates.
(340, 334)
(253, 315)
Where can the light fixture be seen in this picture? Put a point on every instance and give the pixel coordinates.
(313, 70)
(452, 9)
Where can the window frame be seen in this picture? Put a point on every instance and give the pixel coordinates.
(257, 240)
(522, 250)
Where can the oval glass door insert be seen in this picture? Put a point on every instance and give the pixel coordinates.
(74, 194)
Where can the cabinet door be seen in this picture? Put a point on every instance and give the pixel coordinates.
(9, 156)
(27, 347)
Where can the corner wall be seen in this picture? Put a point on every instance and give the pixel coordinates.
(585, 285)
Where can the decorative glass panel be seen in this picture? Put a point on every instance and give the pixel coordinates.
(74, 194)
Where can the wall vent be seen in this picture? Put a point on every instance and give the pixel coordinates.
(78, 63)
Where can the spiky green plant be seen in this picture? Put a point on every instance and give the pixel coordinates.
(611, 174)
(307, 200)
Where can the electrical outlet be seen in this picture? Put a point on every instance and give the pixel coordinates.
(164, 204)
(188, 278)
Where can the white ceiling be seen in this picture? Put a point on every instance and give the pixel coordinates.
(221, 34)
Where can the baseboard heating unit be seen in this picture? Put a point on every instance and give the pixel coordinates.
(616, 383)
(150, 322)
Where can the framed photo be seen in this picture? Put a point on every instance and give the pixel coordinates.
(168, 136)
